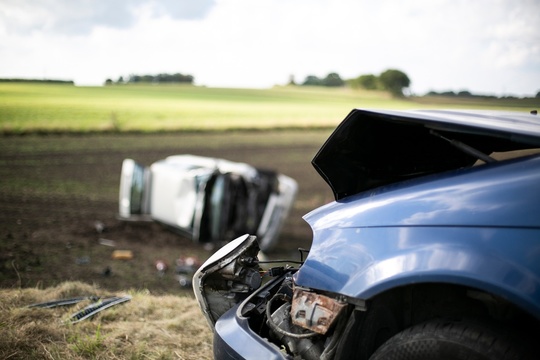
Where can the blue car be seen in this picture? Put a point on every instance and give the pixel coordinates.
(431, 249)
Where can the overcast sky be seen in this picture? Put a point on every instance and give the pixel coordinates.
(484, 46)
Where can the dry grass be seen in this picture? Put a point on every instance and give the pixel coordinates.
(147, 327)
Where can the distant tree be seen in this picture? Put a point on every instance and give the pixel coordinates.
(120, 80)
(368, 82)
(448, 93)
(108, 82)
(538, 95)
(46, 81)
(312, 80)
(147, 78)
(333, 80)
(464, 93)
(134, 78)
(161, 78)
(173, 78)
(394, 81)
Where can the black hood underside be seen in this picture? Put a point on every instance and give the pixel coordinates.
(375, 148)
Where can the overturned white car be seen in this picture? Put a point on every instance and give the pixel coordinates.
(207, 199)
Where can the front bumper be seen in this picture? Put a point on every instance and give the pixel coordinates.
(234, 340)
(233, 336)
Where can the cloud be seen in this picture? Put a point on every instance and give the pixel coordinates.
(514, 41)
(71, 17)
(182, 9)
(485, 46)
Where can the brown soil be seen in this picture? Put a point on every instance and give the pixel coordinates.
(57, 191)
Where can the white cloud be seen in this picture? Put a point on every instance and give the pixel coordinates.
(82, 16)
(482, 46)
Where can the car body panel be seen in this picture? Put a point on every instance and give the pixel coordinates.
(232, 330)
(362, 263)
(479, 227)
(232, 334)
(498, 195)
(180, 210)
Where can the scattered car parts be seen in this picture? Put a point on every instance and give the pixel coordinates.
(63, 302)
(99, 304)
(96, 307)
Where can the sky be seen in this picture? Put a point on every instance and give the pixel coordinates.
(482, 46)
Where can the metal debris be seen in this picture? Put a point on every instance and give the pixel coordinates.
(96, 307)
(107, 242)
(63, 302)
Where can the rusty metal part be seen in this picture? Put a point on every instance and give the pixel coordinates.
(314, 311)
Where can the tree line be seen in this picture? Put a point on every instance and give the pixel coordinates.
(47, 81)
(391, 80)
(468, 94)
(155, 79)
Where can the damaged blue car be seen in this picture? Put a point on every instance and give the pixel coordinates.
(431, 249)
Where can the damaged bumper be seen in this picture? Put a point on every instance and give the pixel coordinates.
(234, 338)
(278, 320)
(270, 325)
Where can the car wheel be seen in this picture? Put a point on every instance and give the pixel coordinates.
(449, 340)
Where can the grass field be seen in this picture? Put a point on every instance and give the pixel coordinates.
(31, 108)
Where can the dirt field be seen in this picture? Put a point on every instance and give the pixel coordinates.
(54, 190)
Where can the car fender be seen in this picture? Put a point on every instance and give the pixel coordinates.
(476, 227)
(503, 262)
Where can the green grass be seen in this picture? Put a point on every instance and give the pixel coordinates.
(31, 107)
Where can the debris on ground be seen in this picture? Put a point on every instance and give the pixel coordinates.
(122, 255)
(83, 260)
(63, 302)
(161, 267)
(107, 242)
(98, 306)
(185, 269)
(99, 226)
(107, 271)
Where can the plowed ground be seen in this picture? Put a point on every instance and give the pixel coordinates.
(54, 189)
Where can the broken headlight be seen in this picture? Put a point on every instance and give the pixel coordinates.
(227, 277)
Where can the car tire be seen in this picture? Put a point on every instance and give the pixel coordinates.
(449, 340)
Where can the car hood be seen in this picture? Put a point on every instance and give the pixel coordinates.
(371, 148)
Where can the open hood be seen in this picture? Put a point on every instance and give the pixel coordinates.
(371, 148)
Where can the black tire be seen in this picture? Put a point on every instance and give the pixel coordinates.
(450, 340)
